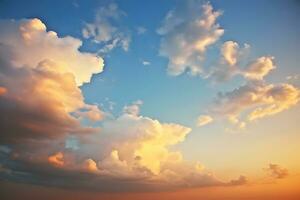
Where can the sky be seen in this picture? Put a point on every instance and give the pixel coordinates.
(157, 99)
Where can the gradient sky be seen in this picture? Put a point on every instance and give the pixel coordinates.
(149, 99)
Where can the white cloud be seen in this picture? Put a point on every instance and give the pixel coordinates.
(105, 31)
(257, 100)
(293, 77)
(259, 68)
(187, 32)
(46, 45)
(134, 108)
(229, 63)
(229, 52)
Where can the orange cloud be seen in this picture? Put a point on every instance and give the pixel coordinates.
(56, 159)
(276, 171)
(49, 69)
(3, 91)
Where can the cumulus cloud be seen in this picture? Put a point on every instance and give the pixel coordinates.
(229, 52)
(276, 171)
(46, 45)
(56, 159)
(203, 120)
(132, 152)
(105, 31)
(259, 68)
(187, 32)
(41, 74)
(257, 100)
(134, 108)
(229, 63)
(90, 165)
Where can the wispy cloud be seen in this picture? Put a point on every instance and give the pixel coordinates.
(107, 30)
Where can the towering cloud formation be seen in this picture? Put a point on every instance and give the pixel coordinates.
(18, 36)
(187, 32)
(41, 74)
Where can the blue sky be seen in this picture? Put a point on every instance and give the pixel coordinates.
(267, 73)
(181, 98)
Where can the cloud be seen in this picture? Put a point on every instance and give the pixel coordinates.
(187, 32)
(146, 63)
(46, 45)
(229, 52)
(3, 91)
(293, 77)
(131, 153)
(229, 64)
(105, 31)
(276, 171)
(44, 118)
(259, 68)
(56, 159)
(242, 180)
(256, 100)
(134, 108)
(90, 165)
(41, 74)
(203, 120)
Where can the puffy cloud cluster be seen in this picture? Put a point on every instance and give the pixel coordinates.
(229, 66)
(40, 74)
(255, 99)
(17, 37)
(42, 111)
(187, 33)
(104, 31)
(276, 171)
(258, 100)
(132, 152)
